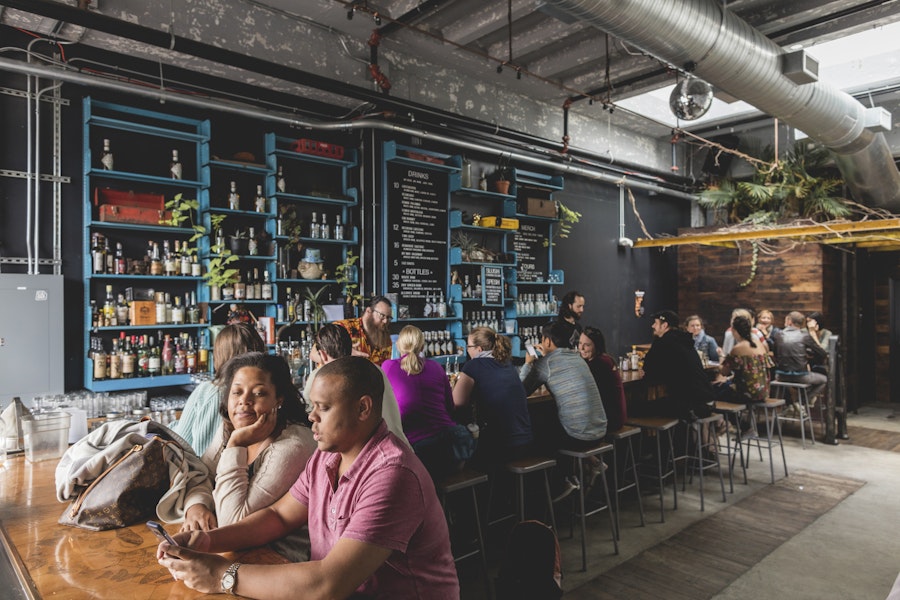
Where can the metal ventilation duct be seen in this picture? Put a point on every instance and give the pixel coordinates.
(740, 60)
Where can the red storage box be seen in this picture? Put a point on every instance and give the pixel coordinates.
(305, 146)
(118, 206)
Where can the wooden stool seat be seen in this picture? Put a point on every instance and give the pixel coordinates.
(455, 482)
(773, 425)
(582, 513)
(624, 435)
(660, 426)
(732, 413)
(524, 466)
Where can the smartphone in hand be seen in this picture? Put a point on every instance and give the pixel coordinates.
(161, 533)
(531, 350)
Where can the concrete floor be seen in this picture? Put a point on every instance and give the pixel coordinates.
(851, 552)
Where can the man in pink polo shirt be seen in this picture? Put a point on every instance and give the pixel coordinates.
(375, 524)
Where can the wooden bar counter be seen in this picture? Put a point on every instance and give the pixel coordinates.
(59, 561)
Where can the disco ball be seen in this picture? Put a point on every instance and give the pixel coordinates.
(691, 98)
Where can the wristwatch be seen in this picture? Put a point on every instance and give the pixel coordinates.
(229, 579)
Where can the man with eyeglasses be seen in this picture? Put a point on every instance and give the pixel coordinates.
(369, 332)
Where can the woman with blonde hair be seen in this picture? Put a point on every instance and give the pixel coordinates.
(728, 342)
(765, 323)
(424, 396)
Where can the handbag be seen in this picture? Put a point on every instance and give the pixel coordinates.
(127, 492)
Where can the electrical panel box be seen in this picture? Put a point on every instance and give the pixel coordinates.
(31, 336)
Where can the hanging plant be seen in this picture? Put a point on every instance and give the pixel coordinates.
(568, 218)
(754, 263)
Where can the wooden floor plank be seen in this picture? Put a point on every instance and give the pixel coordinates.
(709, 555)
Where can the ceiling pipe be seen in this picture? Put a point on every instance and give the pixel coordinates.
(716, 45)
(362, 124)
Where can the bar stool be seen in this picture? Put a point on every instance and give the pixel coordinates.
(467, 479)
(781, 387)
(625, 436)
(580, 456)
(711, 445)
(732, 414)
(773, 424)
(659, 426)
(525, 466)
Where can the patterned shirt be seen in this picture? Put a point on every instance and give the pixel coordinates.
(358, 335)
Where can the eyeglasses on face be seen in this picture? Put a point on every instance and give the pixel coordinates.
(383, 316)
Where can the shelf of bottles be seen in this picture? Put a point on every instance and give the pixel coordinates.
(141, 275)
(312, 202)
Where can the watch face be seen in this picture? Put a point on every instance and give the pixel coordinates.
(228, 581)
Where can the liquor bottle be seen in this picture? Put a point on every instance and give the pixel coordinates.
(220, 241)
(253, 243)
(234, 199)
(109, 308)
(195, 266)
(203, 357)
(180, 357)
(121, 311)
(442, 306)
(266, 291)
(109, 256)
(257, 285)
(280, 182)
(98, 260)
(175, 168)
(129, 358)
(186, 267)
(143, 354)
(160, 308)
(178, 312)
(338, 228)
(98, 355)
(240, 289)
(106, 158)
(154, 363)
(259, 203)
(478, 286)
(249, 287)
(191, 308)
(119, 260)
(428, 309)
(156, 265)
(313, 227)
(115, 361)
(324, 228)
(467, 288)
(168, 260)
(167, 355)
(291, 309)
(190, 356)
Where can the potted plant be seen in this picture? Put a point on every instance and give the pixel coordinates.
(318, 313)
(345, 274)
(291, 223)
(501, 184)
(471, 251)
(184, 209)
(219, 276)
(238, 242)
(568, 218)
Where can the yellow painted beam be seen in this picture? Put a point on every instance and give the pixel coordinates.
(802, 231)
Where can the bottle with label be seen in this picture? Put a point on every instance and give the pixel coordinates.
(190, 356)
(185, 260)
(325, 228)
(109, 308)
(195, 266)
(266, 287)
(442, 306)
(106, 158)
(178, 312)
(259, 202)
(98, 355)
(119, 259)
(175, 168)
(240, 289)
(280, 183)
(234, 199)
(203, 357)
(253, 243)
(143, 353)
(338, 228)
(160, 308)
(129, 358)
(257, 285)
(154, 363)
(180, 357)
(313, 227)
(121, 311)
(109, 256)
(193, 311)
(250, 287)
(98, 258)
(115, 361)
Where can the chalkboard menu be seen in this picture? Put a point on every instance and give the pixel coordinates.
(491, 285)
(417, 233)
(531, 254)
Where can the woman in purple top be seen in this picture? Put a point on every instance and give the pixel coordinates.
(424, 396)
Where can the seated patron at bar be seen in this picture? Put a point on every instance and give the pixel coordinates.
(582, 419)
(424, 396)
(333, 342)
(375, 524)
(749, 363)
(369, 333)
(793, 348)
(703, 342)
(490, 384)
(728, 342)
(262, 445)
(571, 307)
(673, 363)
(592, 347)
